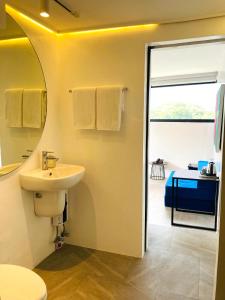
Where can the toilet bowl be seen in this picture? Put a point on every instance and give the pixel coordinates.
(19, 283)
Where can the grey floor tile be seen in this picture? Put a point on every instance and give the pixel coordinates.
(94, 287)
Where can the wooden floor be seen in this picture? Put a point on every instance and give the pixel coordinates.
(179, 265)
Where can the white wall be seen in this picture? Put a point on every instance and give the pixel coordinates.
(106, 207)
(181, 143)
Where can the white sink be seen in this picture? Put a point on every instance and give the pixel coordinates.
(50, 187)
(60, 178)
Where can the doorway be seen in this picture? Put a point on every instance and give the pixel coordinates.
(169, 74)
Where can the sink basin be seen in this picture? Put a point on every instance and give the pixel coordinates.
(62, 177)
(50, 187)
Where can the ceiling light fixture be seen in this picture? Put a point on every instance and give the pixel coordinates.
(44, 8)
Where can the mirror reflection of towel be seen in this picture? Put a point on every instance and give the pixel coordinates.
(33, 103)
(14, 101)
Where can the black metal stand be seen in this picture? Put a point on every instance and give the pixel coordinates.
(174, 205)
(157, 171)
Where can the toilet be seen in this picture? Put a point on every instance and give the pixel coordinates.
(19, 283)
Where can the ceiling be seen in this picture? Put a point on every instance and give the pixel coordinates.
(104, 13)
(193, 59)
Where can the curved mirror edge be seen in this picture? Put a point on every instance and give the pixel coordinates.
(23, 97)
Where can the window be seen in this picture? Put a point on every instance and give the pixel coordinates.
(184, 102)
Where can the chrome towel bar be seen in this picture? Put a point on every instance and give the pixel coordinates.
(125, 89)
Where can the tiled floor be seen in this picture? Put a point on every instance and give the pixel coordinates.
(179, 265)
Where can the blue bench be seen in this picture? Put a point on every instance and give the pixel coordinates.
(192, 195)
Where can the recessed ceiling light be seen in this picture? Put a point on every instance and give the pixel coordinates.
(44, 14)
(44, 8)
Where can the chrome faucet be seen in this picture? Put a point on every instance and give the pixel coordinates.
(44, 161)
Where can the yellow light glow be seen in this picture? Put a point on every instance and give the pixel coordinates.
(119, 29)
(15, 12)
(14, 41)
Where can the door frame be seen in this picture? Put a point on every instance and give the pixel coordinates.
(148, 49)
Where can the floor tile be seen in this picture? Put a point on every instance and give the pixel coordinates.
(94, 287)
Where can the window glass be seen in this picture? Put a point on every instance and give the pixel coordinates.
(195, 101)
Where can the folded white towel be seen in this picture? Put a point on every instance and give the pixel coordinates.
(34, 104)
(84, 108)
(14, 102)
(109, 107)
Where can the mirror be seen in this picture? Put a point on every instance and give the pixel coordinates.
(23, 97)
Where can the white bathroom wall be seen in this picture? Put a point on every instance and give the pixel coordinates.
(181, 143)
(107, 207)
(24, 238)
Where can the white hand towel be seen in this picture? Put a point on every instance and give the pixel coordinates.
(109, 107)
(84, 108)
(14, 102)
(44, 108)
(33, 103)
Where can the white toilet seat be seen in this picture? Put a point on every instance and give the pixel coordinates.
(19, 283)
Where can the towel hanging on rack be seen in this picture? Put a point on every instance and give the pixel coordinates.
(84, 108)
(109, 108)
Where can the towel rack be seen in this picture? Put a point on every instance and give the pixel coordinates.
(125, 89)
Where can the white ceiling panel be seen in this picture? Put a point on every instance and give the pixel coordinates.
(105, 13)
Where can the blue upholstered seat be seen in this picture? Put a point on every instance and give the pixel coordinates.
(192, 194)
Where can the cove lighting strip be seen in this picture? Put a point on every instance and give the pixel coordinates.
(14, 41)
(13, 11)
(119, 29)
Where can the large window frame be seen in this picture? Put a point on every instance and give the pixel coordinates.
(182, 120)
